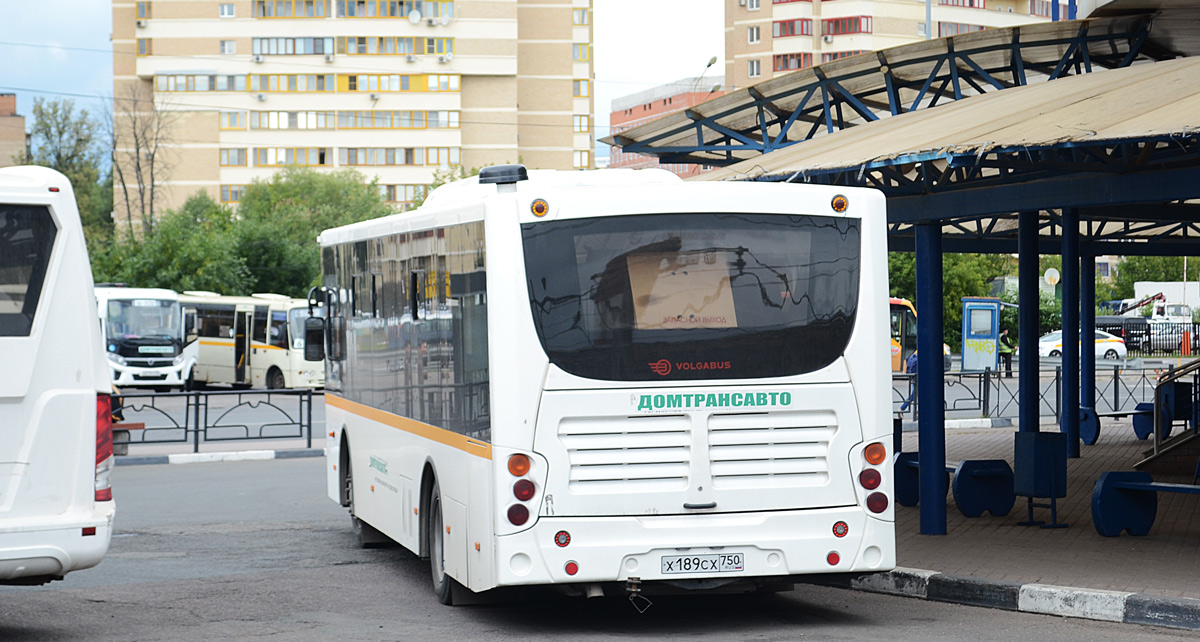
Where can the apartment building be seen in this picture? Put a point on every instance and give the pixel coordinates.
(644, 106)
(765, 38)
(13, 140)
(393, 88)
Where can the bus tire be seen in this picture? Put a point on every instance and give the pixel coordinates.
(275, 379)
(368, 536)
(443, 585)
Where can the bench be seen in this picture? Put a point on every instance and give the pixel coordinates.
(1176, 406)
(1128, 501)
(978, 485)
(121, 436)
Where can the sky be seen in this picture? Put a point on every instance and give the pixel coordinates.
(60, 49)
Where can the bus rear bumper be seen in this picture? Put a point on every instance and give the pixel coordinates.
(690, 547)
(37, 551)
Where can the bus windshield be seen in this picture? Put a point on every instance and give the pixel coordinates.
(130, 318)
(693, 296)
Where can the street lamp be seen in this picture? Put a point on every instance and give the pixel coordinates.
(711, 61)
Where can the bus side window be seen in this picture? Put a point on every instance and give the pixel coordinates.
(189, 326)
(278, 334)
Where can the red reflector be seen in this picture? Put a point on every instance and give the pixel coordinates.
(89, 531)
(833, 558)
(523, 490)
(869, 478)
(104, 495)
(571, 568)
(518, 514)
(840, 529)
(877, 502)
(53, 189)
(562, 538)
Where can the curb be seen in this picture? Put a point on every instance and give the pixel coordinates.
(1044, 599)
(204, 458)
(995, 422)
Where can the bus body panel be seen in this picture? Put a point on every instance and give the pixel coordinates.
(48, 397)
(530, 399)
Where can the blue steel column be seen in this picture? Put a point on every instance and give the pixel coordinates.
(1068, 416)
(1087, 323)
(1027, 321)
(931, 424)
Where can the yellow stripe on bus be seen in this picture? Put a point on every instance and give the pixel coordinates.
(440, 435)
(229, 344)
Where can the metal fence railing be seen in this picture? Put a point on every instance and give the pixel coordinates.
(211, 416)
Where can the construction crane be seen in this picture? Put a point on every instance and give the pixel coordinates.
(1146, 301)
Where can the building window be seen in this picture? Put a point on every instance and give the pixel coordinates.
(291, 46)
(955, 28)
(225, 10)
(1043, 7)
(922, 31)
(581, 16)
(277, 156)
(228, 47)
(199, 83)
(754, 69)
(292, 120)
(582, 126)
(402, 194)
(974, 4)
(788, 62)
(836, 55)
(441, 156)
(428, 9)
(233, 157)
(233, 120)
(580, 53)
(581, 89)
(752, 35)
(1102, 269)
(143, 10)
(232, 193)
(583, 159)
(842, 26)
(787, 28)
(144, 48)
(752, 5)
(291, 8)
(381, 155)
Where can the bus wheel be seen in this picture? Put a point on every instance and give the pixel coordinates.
(442, 583)
(368, 536)
(275, 379)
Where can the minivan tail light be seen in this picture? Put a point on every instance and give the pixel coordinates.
(104, 448)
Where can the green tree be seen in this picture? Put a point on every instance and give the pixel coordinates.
(194, 248)
(281, 218)
(1150, 268)
(66, 140)
(963, 275)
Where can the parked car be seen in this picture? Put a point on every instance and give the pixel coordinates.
(1107, 346)
(1134, 330)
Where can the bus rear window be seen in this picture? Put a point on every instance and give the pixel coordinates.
(26, 240)
(693, 296)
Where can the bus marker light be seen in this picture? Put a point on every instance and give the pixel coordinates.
(518, 465)
(870, 478)
(518, 514)
(833, 558)
(840, 203)
(477, 546)
(840, 529)
(875, 454)
(562, 538)
(523, 490)
(539, 208)
(877, 502)
(571, 568)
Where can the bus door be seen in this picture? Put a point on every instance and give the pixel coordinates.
(904, 335)
(241, 344)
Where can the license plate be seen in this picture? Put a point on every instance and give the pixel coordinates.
(723, 563)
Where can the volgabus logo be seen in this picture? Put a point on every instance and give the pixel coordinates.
(662, 367)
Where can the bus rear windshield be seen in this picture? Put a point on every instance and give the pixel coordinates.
(26, 238)
(693, 296)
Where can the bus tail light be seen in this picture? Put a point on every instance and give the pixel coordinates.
(104, 448)
(523, 490)
(875, 454)
(870, 478)
(877, 502)
(518, 514)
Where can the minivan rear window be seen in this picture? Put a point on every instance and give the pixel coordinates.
(26, 239)
(693, 296)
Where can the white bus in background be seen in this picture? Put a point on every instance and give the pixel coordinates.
(143, 336)
(249, 341)
(56, 508)
(643, 384)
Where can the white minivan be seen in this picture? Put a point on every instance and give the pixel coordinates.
(56, 506)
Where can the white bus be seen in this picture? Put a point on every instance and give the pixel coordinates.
(644, 385)
(56, 508)
(143, 337)
(255, 340)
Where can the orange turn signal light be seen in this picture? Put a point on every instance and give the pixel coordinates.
(875, 454)
(518, 465)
